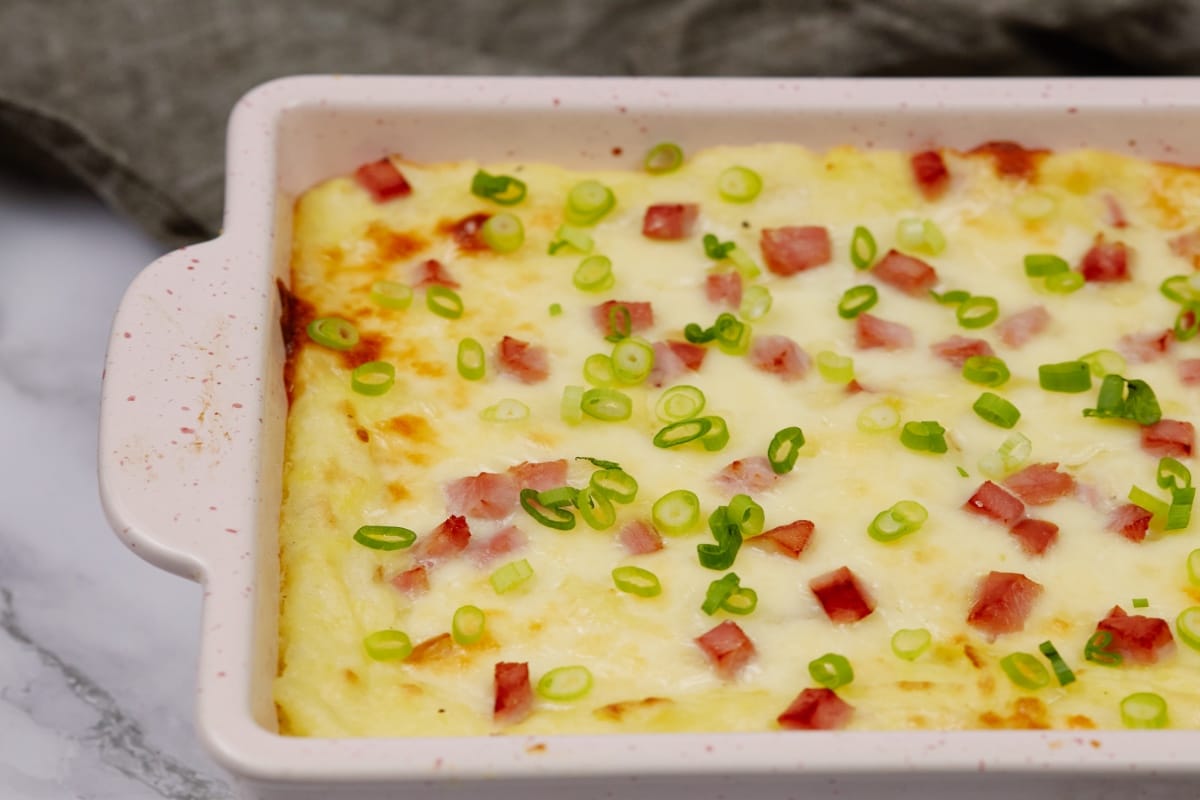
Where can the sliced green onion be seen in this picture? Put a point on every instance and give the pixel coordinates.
(953, 297)
(596, 508)
(594, 274)
(620, 322)
(717, 436)
(835, 368)
(697, 335)
(1061, 670)
(977, 312)
(607, 405)
(555, 309)
(664, 157)
(373, 378)
(1097, 650)
(1126, 399)
(1065, 282)
(739, 184)
(333, 332)
(1104, 362)
(558, 517)
(1144, 710)
(1140, 602)
(742, 601)
(391, 294)
(831, 670)
(503, 233)
(616, 484)
(935, 240)
(746, 514)
(563, 684)
(784, 449)
(862, 248)
(1193, 567)
(443, 301)
(507, 410)
(903, 518)
(731, 334)
(856, 300)
(638, 581)
(1025, 670)
(910, 643)
(571, 407)
(1140, 497)
(910, 233)
(587, 202)
(511, 575)
(632, 360)
(679, 403)
(388, 645)
(1187, 625)
(384, 537)
(558, 497)
(1066, 376)
(1034, 206)
(471, 362)
(744, 264)
(1187, 323)
(503, 189)
(677, 512)
(682, 432)
(756, 302)
(1111, 401)
(962, 472)
(1041, 265)
(924, 436)
(995, 409)
(1179, 513)
(468, 625)
(715, 249)
(570, 236)
(1182, 289)
(718, 591)
(1014, 452)
(878, 418)
(598, 370)
(986, 370)
(723, 553)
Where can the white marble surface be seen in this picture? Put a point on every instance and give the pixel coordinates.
(97, 648)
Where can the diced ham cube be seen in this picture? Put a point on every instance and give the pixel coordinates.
(795, 248)
(500, 544)
(1035, 535)
(528, 363)
(957, 349)
(906, 273)
(724, 288)
(1130, 520)
(1189, 371)
(1019, 328)
(382, 180)
(789, 539)
(930, 173)
(432, 272)
(669, 221)
(842, 596)
(610, 319)
(779, 355)
(994, 503)
(513, 694)
(1010, 159)
(1003, 600)
(540, 475)
(1169, 437)
(816, 710)
(1139, 639)
(872, 332)
(692, 355)
(412, 582)
(466, 232)
(747, 475)
(667, 366)
(447, 540)
(728, 648)
(1106, 262)
(1040, 484)
(1142, 348)
(488, 495)
(639, 537)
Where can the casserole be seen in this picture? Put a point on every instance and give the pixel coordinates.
(194, 408)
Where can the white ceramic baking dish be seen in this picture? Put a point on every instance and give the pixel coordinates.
(191, 436)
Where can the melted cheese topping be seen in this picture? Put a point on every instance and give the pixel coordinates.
(355, 460)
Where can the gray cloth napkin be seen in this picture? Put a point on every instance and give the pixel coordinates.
(131, 97)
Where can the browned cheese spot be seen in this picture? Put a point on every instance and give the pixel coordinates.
(623, 708)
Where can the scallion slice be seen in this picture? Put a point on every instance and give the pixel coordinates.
(384, 537)
(507, 410)
(632, 360)
(679, 403)
(1014, 452)
(503, 232)
(986, 370)
(1065, 282)
(723, 553)
(1187, 323)
(682, 432)
(862, 248)
(564, 684)
(977, 311)
(1182, 289)
(831, 670)
(637, 581)
(739, 184)
(1104, 362)
(717, 436)
(620, 322)
(616, 484)
(1066, 376)
(558, 517)
(676, 512)
(664, 157)
(1140, 497)
(558, 497)
(910, 643)
(511, 575)
(443, 301)
(571, 407)
(1025, 670)
(717, 591)
(596, 508)
(1179, 513)
(373, 378)
(935, 240)
(1140, 602)
(598, 370)
(608, 405)
(856, 300)
(903, 518)
(742, 601)
(570, 236)
(471, 361)
(744, 264)
(835, 368)
(391, 294)
(756, 302)
(731, 334)
(910, 233)
(1193, 567)
(1144, 710)
(746, 514)
(878, 418)
(503, 189)
(995, 409)
(588, 202)
(388, 645)
(715, 249)
(1061, 671)
(333, 332)
(784, 449)
(924, 436)
(1097, 650)
(555, 309)
(1041, 265)
(1187, 625)
(468, 625)
(952, 297)
(594, 274)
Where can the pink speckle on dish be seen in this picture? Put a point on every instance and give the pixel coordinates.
(237, 405)
(187, 430)
(128, 335)
(231, 530)
(131, 398)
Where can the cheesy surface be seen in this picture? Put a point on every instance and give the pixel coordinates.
(354, 460)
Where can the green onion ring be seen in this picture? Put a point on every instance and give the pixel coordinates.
(443, 301)
(373, 378)
(664, 157)
(784, 449)
(333, 332)
(472, 364)
(385, 537)
(637, 581)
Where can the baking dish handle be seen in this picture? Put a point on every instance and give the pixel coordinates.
(178, 411)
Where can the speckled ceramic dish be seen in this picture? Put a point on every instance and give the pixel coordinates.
(194, 408)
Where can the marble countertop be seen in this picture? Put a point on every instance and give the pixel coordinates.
(97, 648)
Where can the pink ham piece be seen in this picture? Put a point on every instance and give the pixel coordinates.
(513, 694)
(842, 596)
(779, 355)
(670, 221)
(728, 648)
(466, 232)
(871, 332)
(930, 173)
(528, 363)
(431, 273)
(1018, 329)
(795, 248)
(500, 544)
(1040, 484)
(692, 355)
(724, 288)
(747, 475)
(639, 537)
(412, 582)
(488, 495)
(667, 366)
(1105, 262)
(1169, 437)
(382, 180)
(1002, 602)
(816, 710)
(1143, 348)
(996, 504)
(1131, 521)
(1189, 371)
(447, 540)
(540, 475)
(789, 539)
(1141, 640)
(1035, 535)
(910, 275)
(957, 349)
(641, 316)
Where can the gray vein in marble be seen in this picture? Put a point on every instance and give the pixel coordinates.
(119, 739)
